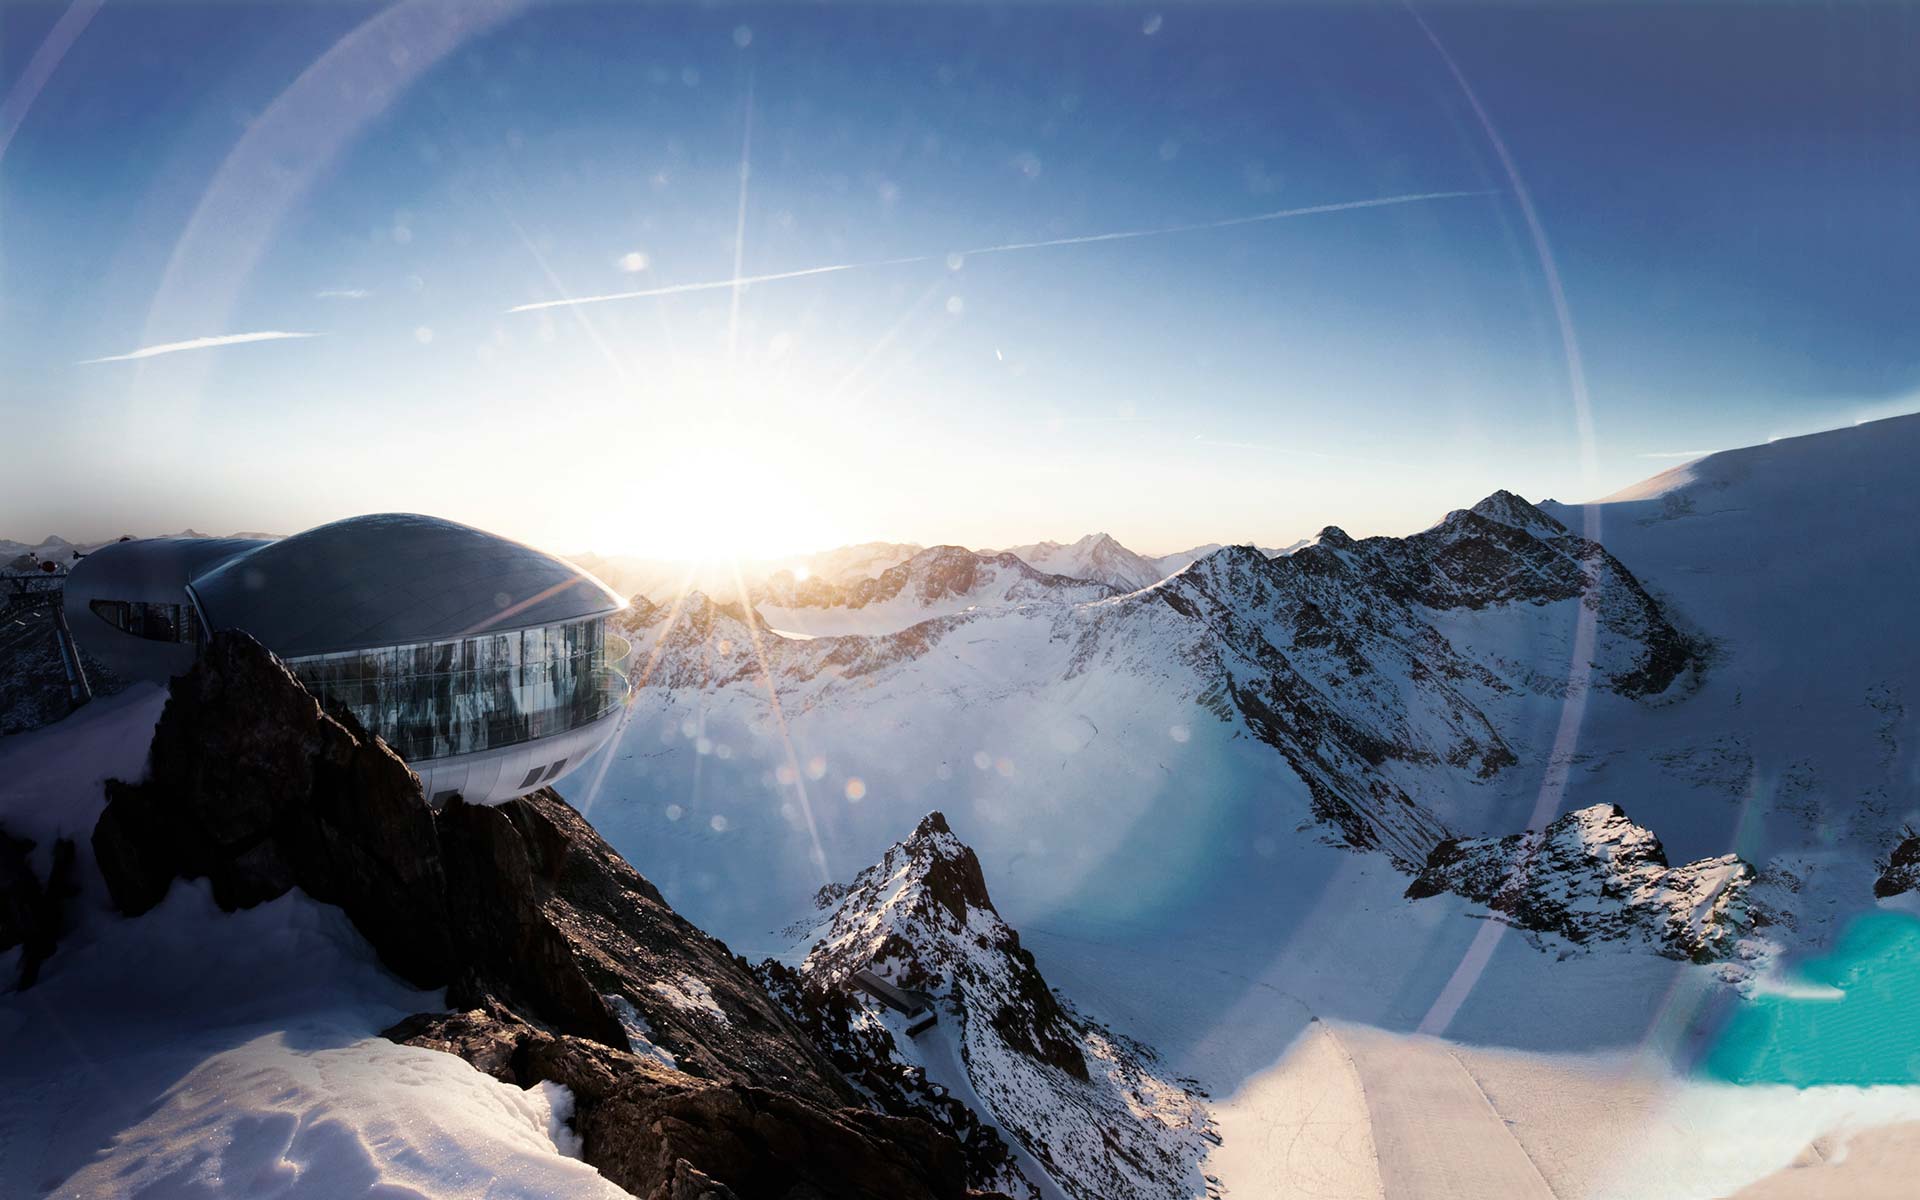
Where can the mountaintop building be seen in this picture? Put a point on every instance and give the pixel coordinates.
(486, 664)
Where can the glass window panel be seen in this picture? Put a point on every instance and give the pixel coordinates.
(430, 700)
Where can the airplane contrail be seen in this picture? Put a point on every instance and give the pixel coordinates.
(715, 284)
(1080, 240)
(203, 343)
(1227, 222)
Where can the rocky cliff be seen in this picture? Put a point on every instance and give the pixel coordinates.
(561, 963)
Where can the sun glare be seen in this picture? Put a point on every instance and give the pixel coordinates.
(698, 504)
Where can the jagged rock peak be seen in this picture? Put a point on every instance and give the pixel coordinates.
(933, 825)
(1508, 509)
(704, 609)
(1333, 536)
(1085, 1102)
(694, 616)
(1235, 554)
(921, 917)
(1593, 875)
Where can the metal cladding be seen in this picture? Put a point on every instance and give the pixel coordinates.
(152, 569)
(388, 579)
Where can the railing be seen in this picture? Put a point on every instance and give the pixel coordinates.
(618, 651)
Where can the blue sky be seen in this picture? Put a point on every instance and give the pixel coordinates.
(1729, 195)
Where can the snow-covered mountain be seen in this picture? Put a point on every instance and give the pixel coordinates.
(1096, 556)
(52, 548)
(1383, 672)
(937, 582)
(1169, 564)
(850, 564)
(661, 579)
(1092, 1111)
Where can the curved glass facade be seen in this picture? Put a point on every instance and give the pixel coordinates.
(434, 699)
(145, 619)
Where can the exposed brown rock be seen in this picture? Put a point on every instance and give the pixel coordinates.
(662, 1134)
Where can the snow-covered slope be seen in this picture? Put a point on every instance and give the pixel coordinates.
(1799, 559)
(1096, 556)
(1091, 1109)
(937, 582)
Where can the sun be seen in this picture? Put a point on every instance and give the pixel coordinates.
(697, 504)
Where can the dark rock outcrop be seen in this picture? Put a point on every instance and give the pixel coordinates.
(1901, 871)
(253, 787)
(31, 909)
(864, 1051)
(1593, 875)
(577, 969)
(662, 1134)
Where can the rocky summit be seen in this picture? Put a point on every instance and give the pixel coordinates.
(1092, 1109)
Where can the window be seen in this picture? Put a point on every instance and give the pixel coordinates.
(151, 621)
(437, 699)
(113, 612)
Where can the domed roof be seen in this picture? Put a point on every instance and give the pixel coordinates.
(150, 569)
(389, 579)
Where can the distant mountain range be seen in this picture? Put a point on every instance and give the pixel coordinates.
(56, 549)
(1096, 558)
(1411, 687)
